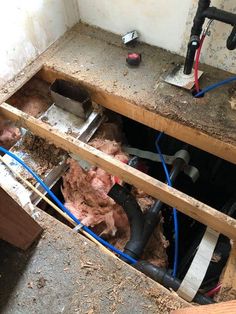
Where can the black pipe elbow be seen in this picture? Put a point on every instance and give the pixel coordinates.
(213, 13)
(124, 198)
(231, 41)
(164, 278)
(199, 19)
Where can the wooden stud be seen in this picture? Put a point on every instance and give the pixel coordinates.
(16, 226)
(184, 203)
(131, 110)
(220, 308)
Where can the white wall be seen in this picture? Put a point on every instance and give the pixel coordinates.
(160, 22)
(163, 23)
(28, 27)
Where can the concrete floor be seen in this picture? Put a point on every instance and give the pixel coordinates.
(65, 273)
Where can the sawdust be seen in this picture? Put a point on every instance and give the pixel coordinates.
(226, 294)
(42, 149)
(41, 282)
(44, 154)
(165, 303)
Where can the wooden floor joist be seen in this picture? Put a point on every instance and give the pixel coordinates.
(221, 308)
(184, 203)
(153, 120)
(16, 226)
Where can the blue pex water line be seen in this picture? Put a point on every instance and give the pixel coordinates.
(211, 87)
(59, 203)
(175, 216)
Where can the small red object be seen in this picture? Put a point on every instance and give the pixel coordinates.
(133, 58)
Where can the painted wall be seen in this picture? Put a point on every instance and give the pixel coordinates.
(28, 27)
(162, 23)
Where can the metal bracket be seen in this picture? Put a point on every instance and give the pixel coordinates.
(130, 36)
(77, 228)
(177, 77)
(189, 170)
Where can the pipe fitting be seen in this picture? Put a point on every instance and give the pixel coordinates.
(135, 216)
(164, 278)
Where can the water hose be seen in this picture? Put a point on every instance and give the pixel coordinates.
(176, 226)
(216, 85)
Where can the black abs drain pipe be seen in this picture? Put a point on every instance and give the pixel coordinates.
(152, 217)
(141, 226)
(124, 198)
(138, 240)
(164, 278)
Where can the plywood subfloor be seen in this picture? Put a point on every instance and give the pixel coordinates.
(98, 58)
(65, 273)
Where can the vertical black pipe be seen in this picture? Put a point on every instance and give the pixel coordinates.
(195, 33)
(153, 215)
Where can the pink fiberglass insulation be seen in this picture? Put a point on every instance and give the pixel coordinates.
(9, 134)
(33, 98)
(85, 194)
(33, 105)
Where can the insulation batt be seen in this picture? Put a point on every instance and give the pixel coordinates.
(33, 105)
(33, 99)
(85, 194)
(9, 134)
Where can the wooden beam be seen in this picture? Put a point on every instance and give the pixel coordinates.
(16, 226)
(184, 203)
(220, 308)
(154, 120)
